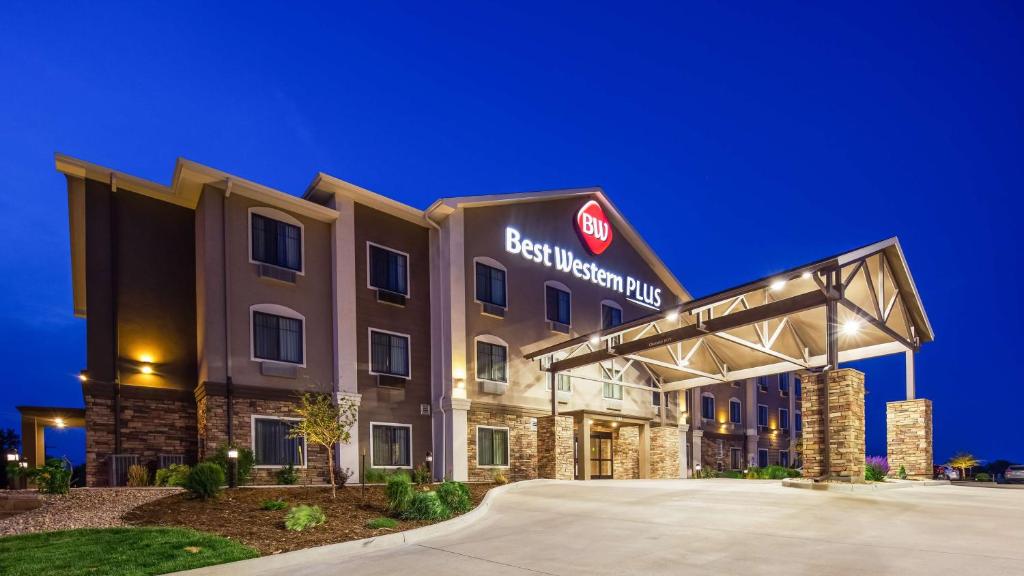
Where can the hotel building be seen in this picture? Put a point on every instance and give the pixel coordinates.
(464, 333)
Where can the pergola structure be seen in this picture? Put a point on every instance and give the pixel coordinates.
(859, 304)
(35, 420)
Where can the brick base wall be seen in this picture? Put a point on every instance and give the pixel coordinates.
(908, 427)
(626, 453)
(212, 418)
(522, 444)
(712, 459)
(664, 452)
(846, 423)
(149, 427)
(555, 447)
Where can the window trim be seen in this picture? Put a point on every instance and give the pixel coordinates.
(781, 427)
(275, 310)
(735, 401)
(544, 300)
(508, 446)
(411, 452)
(252, 443)
(495, 341)
(275, 214)
(547, 383)
(408, 269)
(487, 261)
(714, 405)
(767, 416)
(369, 352)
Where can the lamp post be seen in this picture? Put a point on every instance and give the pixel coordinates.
(430, 459)
(362, 476)
(233, 468)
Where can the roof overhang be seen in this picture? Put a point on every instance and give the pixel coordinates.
(54, 416)
(771, 325)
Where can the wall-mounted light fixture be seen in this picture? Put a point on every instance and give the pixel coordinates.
(59, 422)
(146, 369)
(83, 377)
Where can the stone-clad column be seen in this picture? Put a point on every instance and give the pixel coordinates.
(698, 437)
(684, 467)
(846, 424)
(554, 447)
(664, 452)
(908, 427)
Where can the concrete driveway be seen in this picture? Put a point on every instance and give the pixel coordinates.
(713, 527)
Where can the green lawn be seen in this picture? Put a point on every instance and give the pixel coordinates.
(116, 551)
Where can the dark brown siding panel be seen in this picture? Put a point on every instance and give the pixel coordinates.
(99, 281)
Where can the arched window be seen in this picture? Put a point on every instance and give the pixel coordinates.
(491, 358)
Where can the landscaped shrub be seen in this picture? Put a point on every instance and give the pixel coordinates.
(378, 523)
(705, 472)
(53, 478)
(732, 474)
(455, 497)
(287, 475)
(303, 517)
(204, 481)
(342, 475)
(246, 460)
(753, 473)
(273, 504)
(902, 473)
(426, 506)
(399, 493)
(421, 475)
(138, 476)
(499, 478)
(173, 475)
(880, 462)
(983, 477)
(873, 473)
(375, 476)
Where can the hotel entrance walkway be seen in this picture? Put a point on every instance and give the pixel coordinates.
(711, 527)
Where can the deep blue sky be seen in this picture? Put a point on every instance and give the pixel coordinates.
(739, 140)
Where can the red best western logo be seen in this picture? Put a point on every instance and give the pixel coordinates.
(593, 227)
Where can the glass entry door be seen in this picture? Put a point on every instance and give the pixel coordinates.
(601, 455)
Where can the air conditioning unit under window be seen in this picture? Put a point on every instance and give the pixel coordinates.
(492, 309)
(390, 297)
(558, 327)
(277, 273)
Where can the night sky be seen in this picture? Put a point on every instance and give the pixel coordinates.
(739, 141)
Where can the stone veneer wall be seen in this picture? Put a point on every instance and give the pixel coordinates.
(846, 423)
(664, 452)
(522, 444)
(709, 450)
(626, 453)
(908, 427)
(212, 418)
(150, 426)
(555, 447)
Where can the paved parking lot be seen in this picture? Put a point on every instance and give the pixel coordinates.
(715, 527)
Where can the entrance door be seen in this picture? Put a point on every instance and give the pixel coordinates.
(601, 455)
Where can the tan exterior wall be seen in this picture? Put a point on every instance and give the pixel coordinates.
(665, 452)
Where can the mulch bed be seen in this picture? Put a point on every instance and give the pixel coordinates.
(236, 514)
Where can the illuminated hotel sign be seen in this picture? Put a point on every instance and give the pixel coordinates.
(594, 228)
(564, 260)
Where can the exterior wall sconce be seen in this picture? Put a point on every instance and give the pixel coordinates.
(146, 369)
(59, 422)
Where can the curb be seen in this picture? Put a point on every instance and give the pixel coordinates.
(343, 550)
(872, 487)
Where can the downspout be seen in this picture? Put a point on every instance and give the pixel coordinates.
(444, 390)
(114, 317)
(228, 388)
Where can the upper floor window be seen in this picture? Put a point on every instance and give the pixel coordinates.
(784, 383)
(707, 407)
(762, 383)
(797, 388)
(735, 411)
(389, 269)
(655, 395)
(762, 415)
(612, 391)
(389, 353)
(558, 304)
(784, 418)
(275, 241)
(277, 334)
(491, 361)
(798, 420)
(564, 383)
(490, 285)
(611, 315)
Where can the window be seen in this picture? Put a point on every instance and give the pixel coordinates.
(784, 418)
(389, 270)
(655, 395)
(564, 383)
(762, 415)
(275, 242)
(762, 383)
(735, 411)
(762, 458)
(491, 361)
(612, 391)
(389, 354)
(707, 407)
(798, 420)
(271, 444)
(276, 337)
(390, 445)
(491, 446)
(558, 304)
(784, 458)
(490, 285)
(735, 458)
(784, 383)
(611, 315)
(798, 388)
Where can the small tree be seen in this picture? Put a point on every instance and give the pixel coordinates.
(325, 423)
(963, 461)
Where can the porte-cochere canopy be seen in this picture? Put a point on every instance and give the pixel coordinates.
(772, 325)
